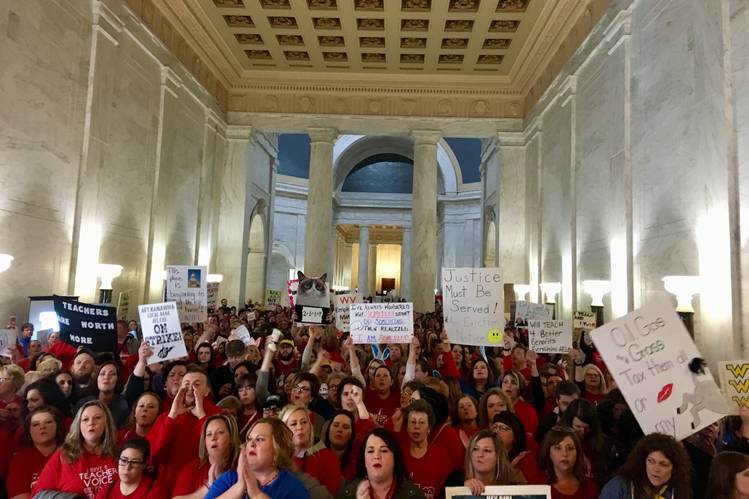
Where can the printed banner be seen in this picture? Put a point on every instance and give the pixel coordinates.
(382, 322)
(584, 320)
(343, 310)
(212, 299)
(123, 305)
(84, 325)
(311, 298)
(734, 379)
(525, 311)
(162, 331)
(549, 336)
(501, 492)
(188, 288)
(648, 352)
(7, 342)
(272, 298)
(473, 305)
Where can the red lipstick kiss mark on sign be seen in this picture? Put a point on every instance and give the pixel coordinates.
(665, 392)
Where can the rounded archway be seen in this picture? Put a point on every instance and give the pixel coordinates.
(490, 239)
(256, 255)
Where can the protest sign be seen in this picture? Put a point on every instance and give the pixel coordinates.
(648, 352)
(525, 311)
(272, 298)
(84, 325)
(549, 336)
(162, 330)
(501, 492)
(7, 342)
(243, 334)
(343, 309)
(187, 287)
(584, 320)
(473, 305)
(212, 299)
(123, 305)
(382, 322)
(311, 297)
(734, 379)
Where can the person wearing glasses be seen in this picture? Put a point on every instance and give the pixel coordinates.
(511, 432)
(132, 481)
(264, 469)
(86, 462)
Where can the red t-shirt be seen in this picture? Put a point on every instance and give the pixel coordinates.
(24, 470)
(527, 415)
(447, 437)
(382, 409)
(588, 490)
(322, 465)
(282, 368)
(361, 428)
(87, 475)
(430, 471)
(6, 450)
(147, 489)
(191, 478)
(594, 398)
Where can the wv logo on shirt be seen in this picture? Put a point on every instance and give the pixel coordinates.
(164, 351)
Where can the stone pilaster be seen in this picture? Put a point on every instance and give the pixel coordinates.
(319, 202)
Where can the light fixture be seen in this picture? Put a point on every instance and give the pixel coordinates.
(5, 261)
(684, 287)
(107, 272)
(521, 290)
(215, 277)
(597, 289)
(550, 290)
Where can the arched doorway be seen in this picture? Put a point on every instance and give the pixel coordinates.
(256, 256)
(490, 250)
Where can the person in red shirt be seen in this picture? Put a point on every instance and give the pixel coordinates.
(381, 399)
(286, 360)
(593, 385)
(132, 482)
(513, 384)
(142, 418)
(86, 461)
(247, 395)
(561, 462)
(339, 437)
(173, 375)
(219, 451)
(518, 361)
(466, 418)
(492, 403)
(175, 436)
(43, 433)
(428, 465)
(521, 450)
(11, 380)
(486, 464)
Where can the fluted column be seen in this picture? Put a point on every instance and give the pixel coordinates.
(424, 220)
(319, 202)
(405, 291)
(363, 283)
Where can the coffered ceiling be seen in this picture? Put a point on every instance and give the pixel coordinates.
(482, 58)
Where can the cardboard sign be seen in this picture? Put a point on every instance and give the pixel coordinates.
(734, 379)
(473, 305)
(311, 298)
(584, 320)
(382, 322)
(648, 352)
(84, 325)
(502, 492)
(212, 299)
(272, 298)
(343, 310)
(549, 336)
(188, 288)
(162, 330)
(8, 339)
(525, 311)
(123, 305)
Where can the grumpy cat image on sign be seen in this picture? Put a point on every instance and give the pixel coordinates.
(312, 291)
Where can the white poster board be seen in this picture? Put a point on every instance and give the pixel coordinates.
(243, 334)
(123, 305)
(549, 336)
(734, 380)
(343, 310)
(7, 342)
(473, 305)
(212, 297)
(525, 311)
(188, 287)
(501, 492)
(648, 352)
(584, 320)
(162, 331)
(382, 322)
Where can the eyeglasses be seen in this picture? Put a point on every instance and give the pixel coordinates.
(130, 463)
(302, 388)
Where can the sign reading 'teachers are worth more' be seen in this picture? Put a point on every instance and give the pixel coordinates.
(473, 305)
(382, 322)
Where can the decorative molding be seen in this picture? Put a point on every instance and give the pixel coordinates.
(107, 22)
(239, 132)
(511, 139)
(426, 137)
(327, 135)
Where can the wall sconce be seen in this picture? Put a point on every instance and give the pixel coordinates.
(107, 272)
(597, 289)
(550, 291)
(215, 278)
(683, 287)
(521, 290)
(5, 261)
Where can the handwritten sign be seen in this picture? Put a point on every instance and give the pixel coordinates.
(549, 336)
(162, 330)
(187, 287)
(7, 342)
(473, 305)
(343, 310)
(501, 492)
(584, 320)
(272, 298)
(648, 352)
(525, 311)
(212, 298)
(123, 305)
(734, 379)
(382, 322)
(243, 334)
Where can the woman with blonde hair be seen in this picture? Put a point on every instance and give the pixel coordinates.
(87, 460)
(313, 458)
(218, 452)
(486, 464)
(592, 383)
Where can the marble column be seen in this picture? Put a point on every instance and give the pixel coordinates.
(424, 220)
(406, 264)
(317, 248)
(363, 283)
(372, 269)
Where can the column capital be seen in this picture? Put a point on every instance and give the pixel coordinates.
(510, 139)
(239, 132)
(426, 137)
(322, 134)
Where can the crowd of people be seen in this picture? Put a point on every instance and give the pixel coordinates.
(301, 411)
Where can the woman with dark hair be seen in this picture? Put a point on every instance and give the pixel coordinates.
(86, 461)
(108, 389)
(486, 464)
(42, 434)
(64, 380)
(132, 481)
(247, 395)
(511, 432)
(381, 471)
(382, 399)
(466, 418)
(598, 451)
(204, 356)
(736, 434)
(339, 437)
(729, 476)
(494, 401)
(657, 467)
(46, 392)
(480, 379)
(560, 461)
(142, 418)
(514, 385)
